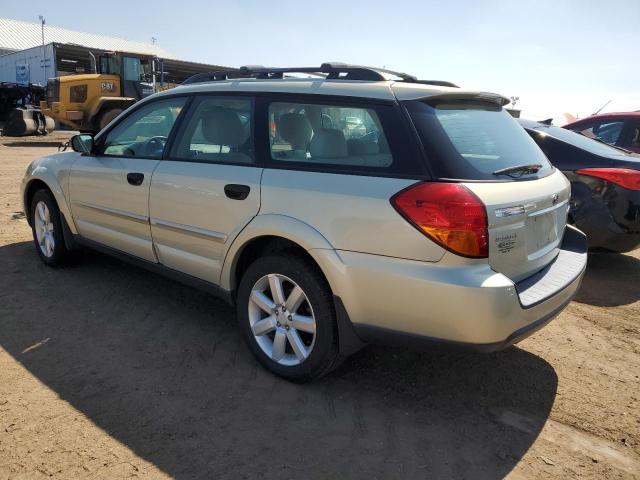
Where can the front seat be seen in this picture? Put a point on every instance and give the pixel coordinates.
(222, 127)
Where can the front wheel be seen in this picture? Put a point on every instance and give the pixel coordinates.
(46, 226)
(286, 314)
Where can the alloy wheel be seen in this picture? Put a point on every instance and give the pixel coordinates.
(282, 319)
(44, 229)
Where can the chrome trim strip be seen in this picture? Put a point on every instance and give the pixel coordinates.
(510, 211)
(189, 229)
(549, 209)
(113, 211)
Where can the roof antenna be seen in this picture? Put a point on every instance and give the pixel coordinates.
(602, 108)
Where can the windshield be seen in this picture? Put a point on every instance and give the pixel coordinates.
(472, 140)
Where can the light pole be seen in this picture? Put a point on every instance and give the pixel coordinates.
(44, 60)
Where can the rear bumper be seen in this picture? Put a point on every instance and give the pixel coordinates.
(404, 302)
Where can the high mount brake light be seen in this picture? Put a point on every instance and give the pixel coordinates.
(448, 213)
(623, 177)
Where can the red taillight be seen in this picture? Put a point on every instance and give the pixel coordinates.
(624, 177)
(448, 213)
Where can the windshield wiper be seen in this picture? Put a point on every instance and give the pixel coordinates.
(519, 170)
(597, 139)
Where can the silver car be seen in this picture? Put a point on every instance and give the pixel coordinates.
(441, 222)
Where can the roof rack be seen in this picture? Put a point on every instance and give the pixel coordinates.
(328, 71)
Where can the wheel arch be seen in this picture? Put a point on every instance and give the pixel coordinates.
(42, 181)
(273, 233)
(270, 233)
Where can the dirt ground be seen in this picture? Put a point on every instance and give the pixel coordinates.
(107, 371)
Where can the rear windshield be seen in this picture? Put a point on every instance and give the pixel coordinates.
(471, 140)
(577, 140)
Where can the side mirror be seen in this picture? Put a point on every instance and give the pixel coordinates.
(82, 143)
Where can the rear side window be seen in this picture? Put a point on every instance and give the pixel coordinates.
(472, 140)
(218, 130)
(328, 134)
(343, 138)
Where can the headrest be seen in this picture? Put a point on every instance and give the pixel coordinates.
(222, 126)
(328, 143)
(295, 129)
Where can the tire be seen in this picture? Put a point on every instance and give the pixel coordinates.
(46, 227)
(107, 116)
(321, 346)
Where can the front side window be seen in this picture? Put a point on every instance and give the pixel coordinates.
(144, 132)
(219, 129)
(327, 134)
(474, 140)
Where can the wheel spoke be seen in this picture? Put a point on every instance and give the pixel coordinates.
(304, 324)
(275, 284)
(279, 344)
(46, 213)
(41, 211)
(262, 301)
(296, 297)
(47, 245)
(297, 344)
(262, 327)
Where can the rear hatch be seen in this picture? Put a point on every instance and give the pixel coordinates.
(472, 140)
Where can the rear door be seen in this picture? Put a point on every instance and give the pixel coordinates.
(473, 142)
(207, 188)
(109, 190)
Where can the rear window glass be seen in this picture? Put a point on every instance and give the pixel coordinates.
(607, 132)
(577, 140)
(471, 141)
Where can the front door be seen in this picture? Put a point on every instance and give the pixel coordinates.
(208, 189)
(109, 190)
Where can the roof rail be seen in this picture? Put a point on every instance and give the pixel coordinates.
(328, 71)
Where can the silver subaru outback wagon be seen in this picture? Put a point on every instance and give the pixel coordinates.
(352, 206)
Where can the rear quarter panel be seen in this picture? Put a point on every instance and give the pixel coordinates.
(352, 212)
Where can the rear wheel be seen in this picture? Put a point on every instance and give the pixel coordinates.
(46, 226)
(107, 116)
(286, 314)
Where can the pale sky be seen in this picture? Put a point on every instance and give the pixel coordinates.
(556, 55)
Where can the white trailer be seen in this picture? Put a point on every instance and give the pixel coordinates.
(32, 66)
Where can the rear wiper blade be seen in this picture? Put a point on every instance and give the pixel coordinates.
(597, 139)
(519, 170)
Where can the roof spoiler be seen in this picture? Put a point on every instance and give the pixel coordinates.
(486, 97)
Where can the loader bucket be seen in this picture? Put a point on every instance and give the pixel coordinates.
(27, 120)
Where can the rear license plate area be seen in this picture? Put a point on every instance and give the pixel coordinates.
(542, 231)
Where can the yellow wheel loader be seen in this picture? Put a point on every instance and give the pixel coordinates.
(88, 102)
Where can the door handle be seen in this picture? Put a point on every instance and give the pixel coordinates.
(135, 178)
(237, 192)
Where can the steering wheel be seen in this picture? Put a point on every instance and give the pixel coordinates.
(154, 145)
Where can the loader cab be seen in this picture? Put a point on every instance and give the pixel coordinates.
(135, 73)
